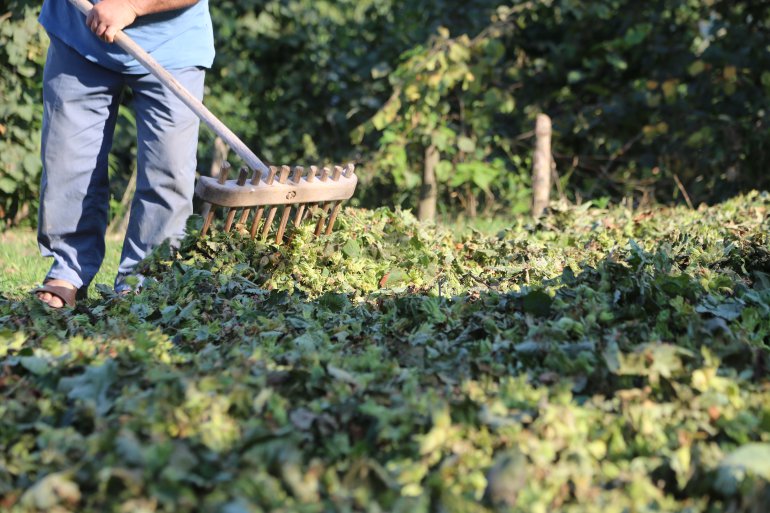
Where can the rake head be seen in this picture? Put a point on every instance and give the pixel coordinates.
(303, 193)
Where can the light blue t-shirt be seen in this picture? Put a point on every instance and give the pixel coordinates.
(176, 39)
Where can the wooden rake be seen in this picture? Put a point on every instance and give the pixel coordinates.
(314, 193)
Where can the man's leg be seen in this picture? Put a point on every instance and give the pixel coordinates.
(167, 134)
(80, 109)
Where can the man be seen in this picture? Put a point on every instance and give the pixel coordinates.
(84, 77)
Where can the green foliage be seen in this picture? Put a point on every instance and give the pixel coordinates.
(603, 360)
(316, 71)
(291, 78)
(452, 95)
(643, 96)
(23, 45)
(22, 53)
(296, 77)
(643, 92)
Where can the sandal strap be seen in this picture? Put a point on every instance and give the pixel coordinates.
(65, 294)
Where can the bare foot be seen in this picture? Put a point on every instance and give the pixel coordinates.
(61, 293)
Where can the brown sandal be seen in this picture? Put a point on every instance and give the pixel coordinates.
(68, 296)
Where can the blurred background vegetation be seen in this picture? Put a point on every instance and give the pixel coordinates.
(648, 99)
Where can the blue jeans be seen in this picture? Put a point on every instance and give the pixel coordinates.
(81, 102)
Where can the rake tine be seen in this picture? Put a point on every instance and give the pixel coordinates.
(242, 176)
(298, 172)
(337, 205)
(349, 170)
(257, 220)
(321, 220)
(303, 208)
(333, 218)
(244, 216)
(207, 209)
(285, 170)
(247, 211)
(284, 221)
(296, 177)
(261, 210)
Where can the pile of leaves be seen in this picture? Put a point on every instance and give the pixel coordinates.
(600, 360)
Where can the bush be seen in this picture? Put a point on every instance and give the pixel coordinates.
(648, 100)
(22, 53)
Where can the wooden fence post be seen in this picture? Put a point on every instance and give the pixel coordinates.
(541, 166)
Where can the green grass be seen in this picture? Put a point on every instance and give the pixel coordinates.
(22, 267)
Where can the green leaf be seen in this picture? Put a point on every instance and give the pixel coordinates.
(575, 76)
(54, 490)
(439, 433)
(537, 303)
(35, 364)
(728, 310)
(444, 170)
(92, 386)
(7, 185)
(11, 341)
(617, 61)
(751, 458)
(351, 249)
(466, 144)
(381, 70)
(394, 277)
(637, 34)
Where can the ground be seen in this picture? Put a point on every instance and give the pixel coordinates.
(598, 360)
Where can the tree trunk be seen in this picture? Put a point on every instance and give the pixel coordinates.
(428, 192)
(21, 214)
(120, 223)
(220, 155)
(541, 164)
(471, 206)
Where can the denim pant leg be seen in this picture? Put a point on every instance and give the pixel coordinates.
(80, 106)
(167, 134)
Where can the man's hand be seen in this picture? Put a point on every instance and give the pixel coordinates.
(109, 16)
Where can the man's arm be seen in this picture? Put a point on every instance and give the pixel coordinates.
(109, 16)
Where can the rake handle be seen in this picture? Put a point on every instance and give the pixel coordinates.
(168, 80)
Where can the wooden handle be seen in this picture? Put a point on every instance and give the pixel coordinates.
(167, 79)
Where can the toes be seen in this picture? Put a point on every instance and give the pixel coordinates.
(50, 300)
(55, 302)
(57, 293)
